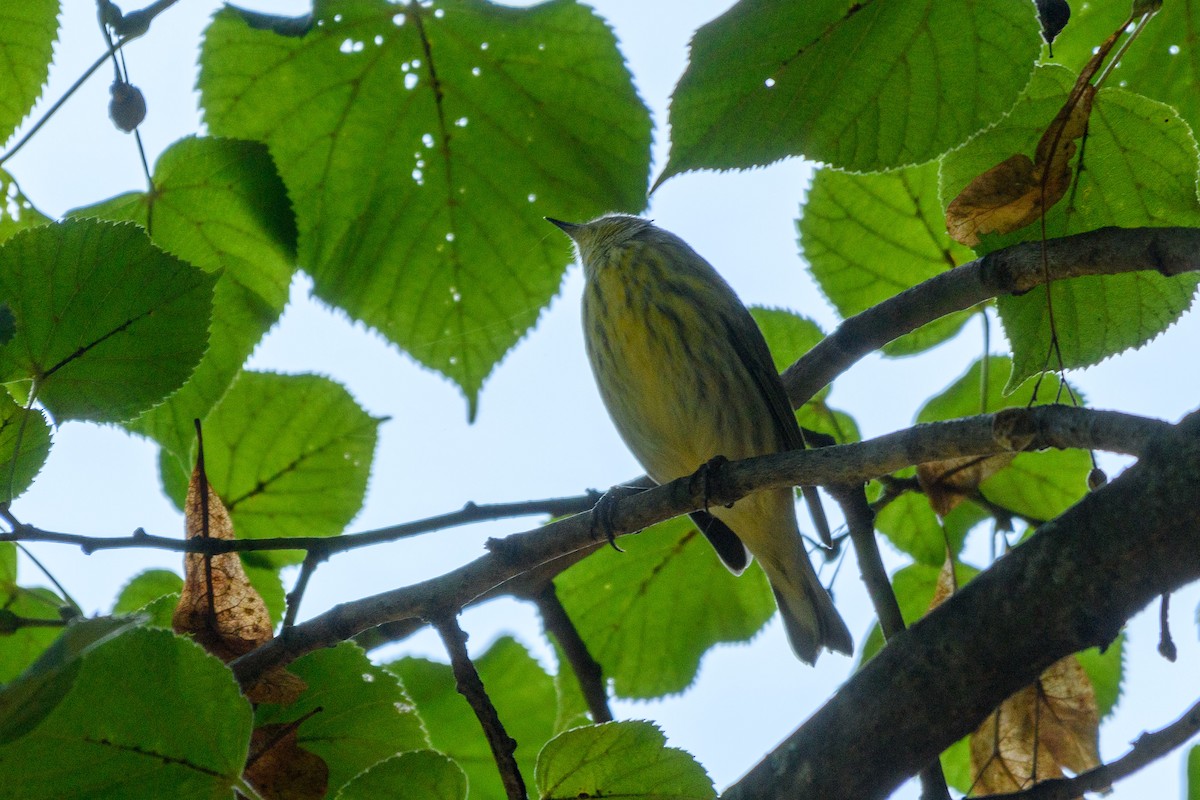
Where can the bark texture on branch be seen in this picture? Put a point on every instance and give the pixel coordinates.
(1071, 587)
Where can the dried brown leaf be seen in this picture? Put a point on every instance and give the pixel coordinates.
(947, 583)
(282, 770)
(218, 606)
(1055, 720)
(276, 686)
(947, 483)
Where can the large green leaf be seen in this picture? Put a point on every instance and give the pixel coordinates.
(619, 759)
(868, 237)
(29, 699)
(24, 447)
(861, 86)
(524, 696)
(416, 775)
(219, 205)
(107, 325)
(363, 715)
(421, 145)
(27, 33)
(912, 527)
(177, 726)
(1140, 170)
(288, 454)
(1164, 63)
(650, 613)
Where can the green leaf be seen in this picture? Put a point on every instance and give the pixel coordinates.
(1164, 62)
(619, 759)
(365, 715)
(869, 237)
(107, 324)
(420, 148)
(1107, 672)
(914, 586)
(956, 764)
(649, 614)
(1140, 170)
(1040, 485)
(289, 455)
(980, 390)
(419, 775)
(27, 701)
(861, 86)
(182, 731)
(16, 212)
(524, 696)
(28, 31)
(219, 205)
(22, 647)
(912, 527)
(24, 447)
(146, 587)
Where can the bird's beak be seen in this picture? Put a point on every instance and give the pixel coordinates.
(568, 228)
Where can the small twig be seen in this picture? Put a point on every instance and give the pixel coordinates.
(14, 623)
(1166, 645)
(1148, 747)
(471, 687)
(311, 561)
(587, 670)
(62, 591)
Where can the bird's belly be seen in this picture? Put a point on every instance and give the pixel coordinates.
(666, 398)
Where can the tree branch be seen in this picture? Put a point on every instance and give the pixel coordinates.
(1011, 271)
(566, 540)
(1070, 587)
(469, 685)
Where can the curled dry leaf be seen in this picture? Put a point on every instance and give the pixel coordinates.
(1038, 732)
(282, 770)
(947, 583)
(227, 617)
(1019, 190)
(947, 483)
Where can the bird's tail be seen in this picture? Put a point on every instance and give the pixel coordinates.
(809, 616)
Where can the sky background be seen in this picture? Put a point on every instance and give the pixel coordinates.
(541, 430)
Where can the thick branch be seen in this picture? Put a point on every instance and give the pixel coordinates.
(1044, 426)
(1072, 586)
(1013, 270)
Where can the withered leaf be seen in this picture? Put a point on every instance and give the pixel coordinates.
(1018, 190)
(1055, 720)
(276, 686)
(227, 617)
(282, 770)
(947, 483)
(947, 583)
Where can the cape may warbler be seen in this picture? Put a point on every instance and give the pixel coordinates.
(686, 376)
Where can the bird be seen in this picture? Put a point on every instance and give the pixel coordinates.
(686, 376)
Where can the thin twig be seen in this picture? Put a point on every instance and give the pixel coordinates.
(470, 686)
(587, 670)
(311, 561)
